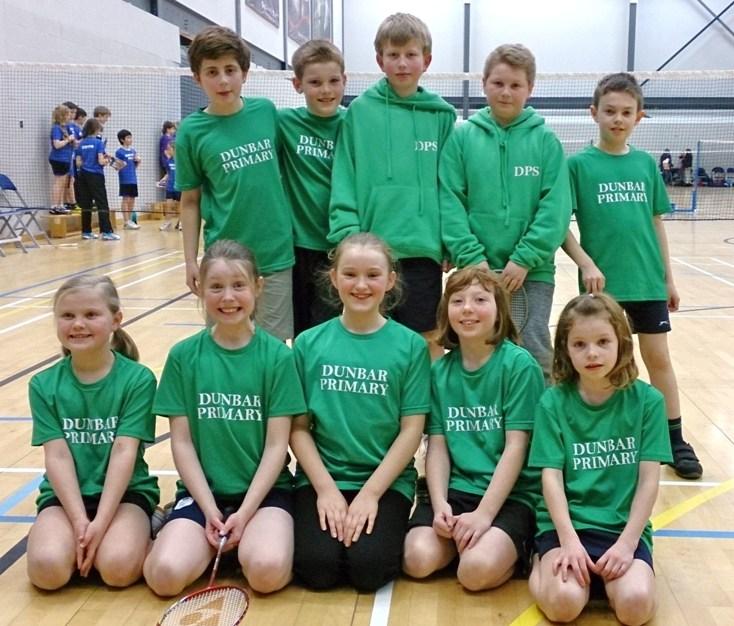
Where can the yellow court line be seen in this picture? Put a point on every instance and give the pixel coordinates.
(532, 616)
(679, 510)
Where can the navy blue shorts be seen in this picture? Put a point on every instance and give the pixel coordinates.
(422, 282)
(173, 195)
(128, 190)
(595, 542)
(60, 168)
(515, 518)
(91, 503)
(649, 317)
(187, 508)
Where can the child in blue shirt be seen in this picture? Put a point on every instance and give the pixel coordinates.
(128, 160)
(173, 196)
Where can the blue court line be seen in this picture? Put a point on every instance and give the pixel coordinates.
(85, 271)
(17, 519)
(694, 534)
(19, 495)
(8, 418)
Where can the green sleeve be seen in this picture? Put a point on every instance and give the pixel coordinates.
(46, 425)
(188, 175)
(137, 419)
(416, 392)
(343, 216)
(660, 198)
(546, 448)
(170, 399)
(285, 396)
(655, 444)
(456, 234)
(524, 388)
(434, 420)
(548, 229)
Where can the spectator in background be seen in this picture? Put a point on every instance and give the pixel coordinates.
(62, 149)
(168, 134)
(666, 166)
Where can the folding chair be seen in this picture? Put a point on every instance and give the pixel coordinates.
(25, 217)
(8, 231)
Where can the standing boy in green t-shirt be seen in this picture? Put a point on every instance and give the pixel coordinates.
(228, 174)
(619, 198)
(307, 136)
(385, 176)
(504, 192)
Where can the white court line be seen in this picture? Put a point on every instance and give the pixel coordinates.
(725, 263)
(51, 291)
(119, 288)
(381, 607)
(709, 274)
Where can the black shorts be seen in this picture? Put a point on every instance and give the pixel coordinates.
(648, 316)
(173, 195)
(128, 190)
(421, 279)
(60, 168)
(187, 508)
(91, 503)
(595, 542)
(517, 520)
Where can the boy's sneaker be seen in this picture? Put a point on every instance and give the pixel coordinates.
(110, 237)
(685, 462)
(134, 217)
(178, 226)
(89, 235)
(130, 225)
(159, 517)
(165, 226)
(59, 210)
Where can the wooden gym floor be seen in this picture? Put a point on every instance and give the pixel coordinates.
(694, 547)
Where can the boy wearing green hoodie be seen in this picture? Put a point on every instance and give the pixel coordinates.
(504, 192)
(385, 173)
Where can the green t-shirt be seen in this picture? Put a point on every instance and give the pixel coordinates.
(233, 160)
(357, 388)
(599, 449)
(228, 396)
(615, 198)
(90, 416)
(472, 410)
(306, 149)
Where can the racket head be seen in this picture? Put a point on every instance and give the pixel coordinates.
(223, 605)
(519, 308)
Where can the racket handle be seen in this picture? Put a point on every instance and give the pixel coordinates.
(222, 541)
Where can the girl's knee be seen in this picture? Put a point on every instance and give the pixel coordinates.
(563, 603)
(476, 574)
(634, 606)
(163, 576)
(266, 574)
(49, 573)
(418, 562)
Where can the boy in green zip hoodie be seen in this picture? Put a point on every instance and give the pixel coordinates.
(385, 174)
(307, 139)
(504, 192)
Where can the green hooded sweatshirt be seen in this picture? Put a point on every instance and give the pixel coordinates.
(505, 194)
(385, 174)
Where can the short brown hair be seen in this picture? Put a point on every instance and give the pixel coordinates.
(513, 54)
(101, 110)
(504, 327)
(399, 29)
(316, 51)
(619, 82)
(217, 41)
(624, 372)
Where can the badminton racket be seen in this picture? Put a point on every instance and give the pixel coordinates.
(220, 605)
(518, 306)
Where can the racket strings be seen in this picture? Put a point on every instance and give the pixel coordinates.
(519, 308)
(219, 606)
